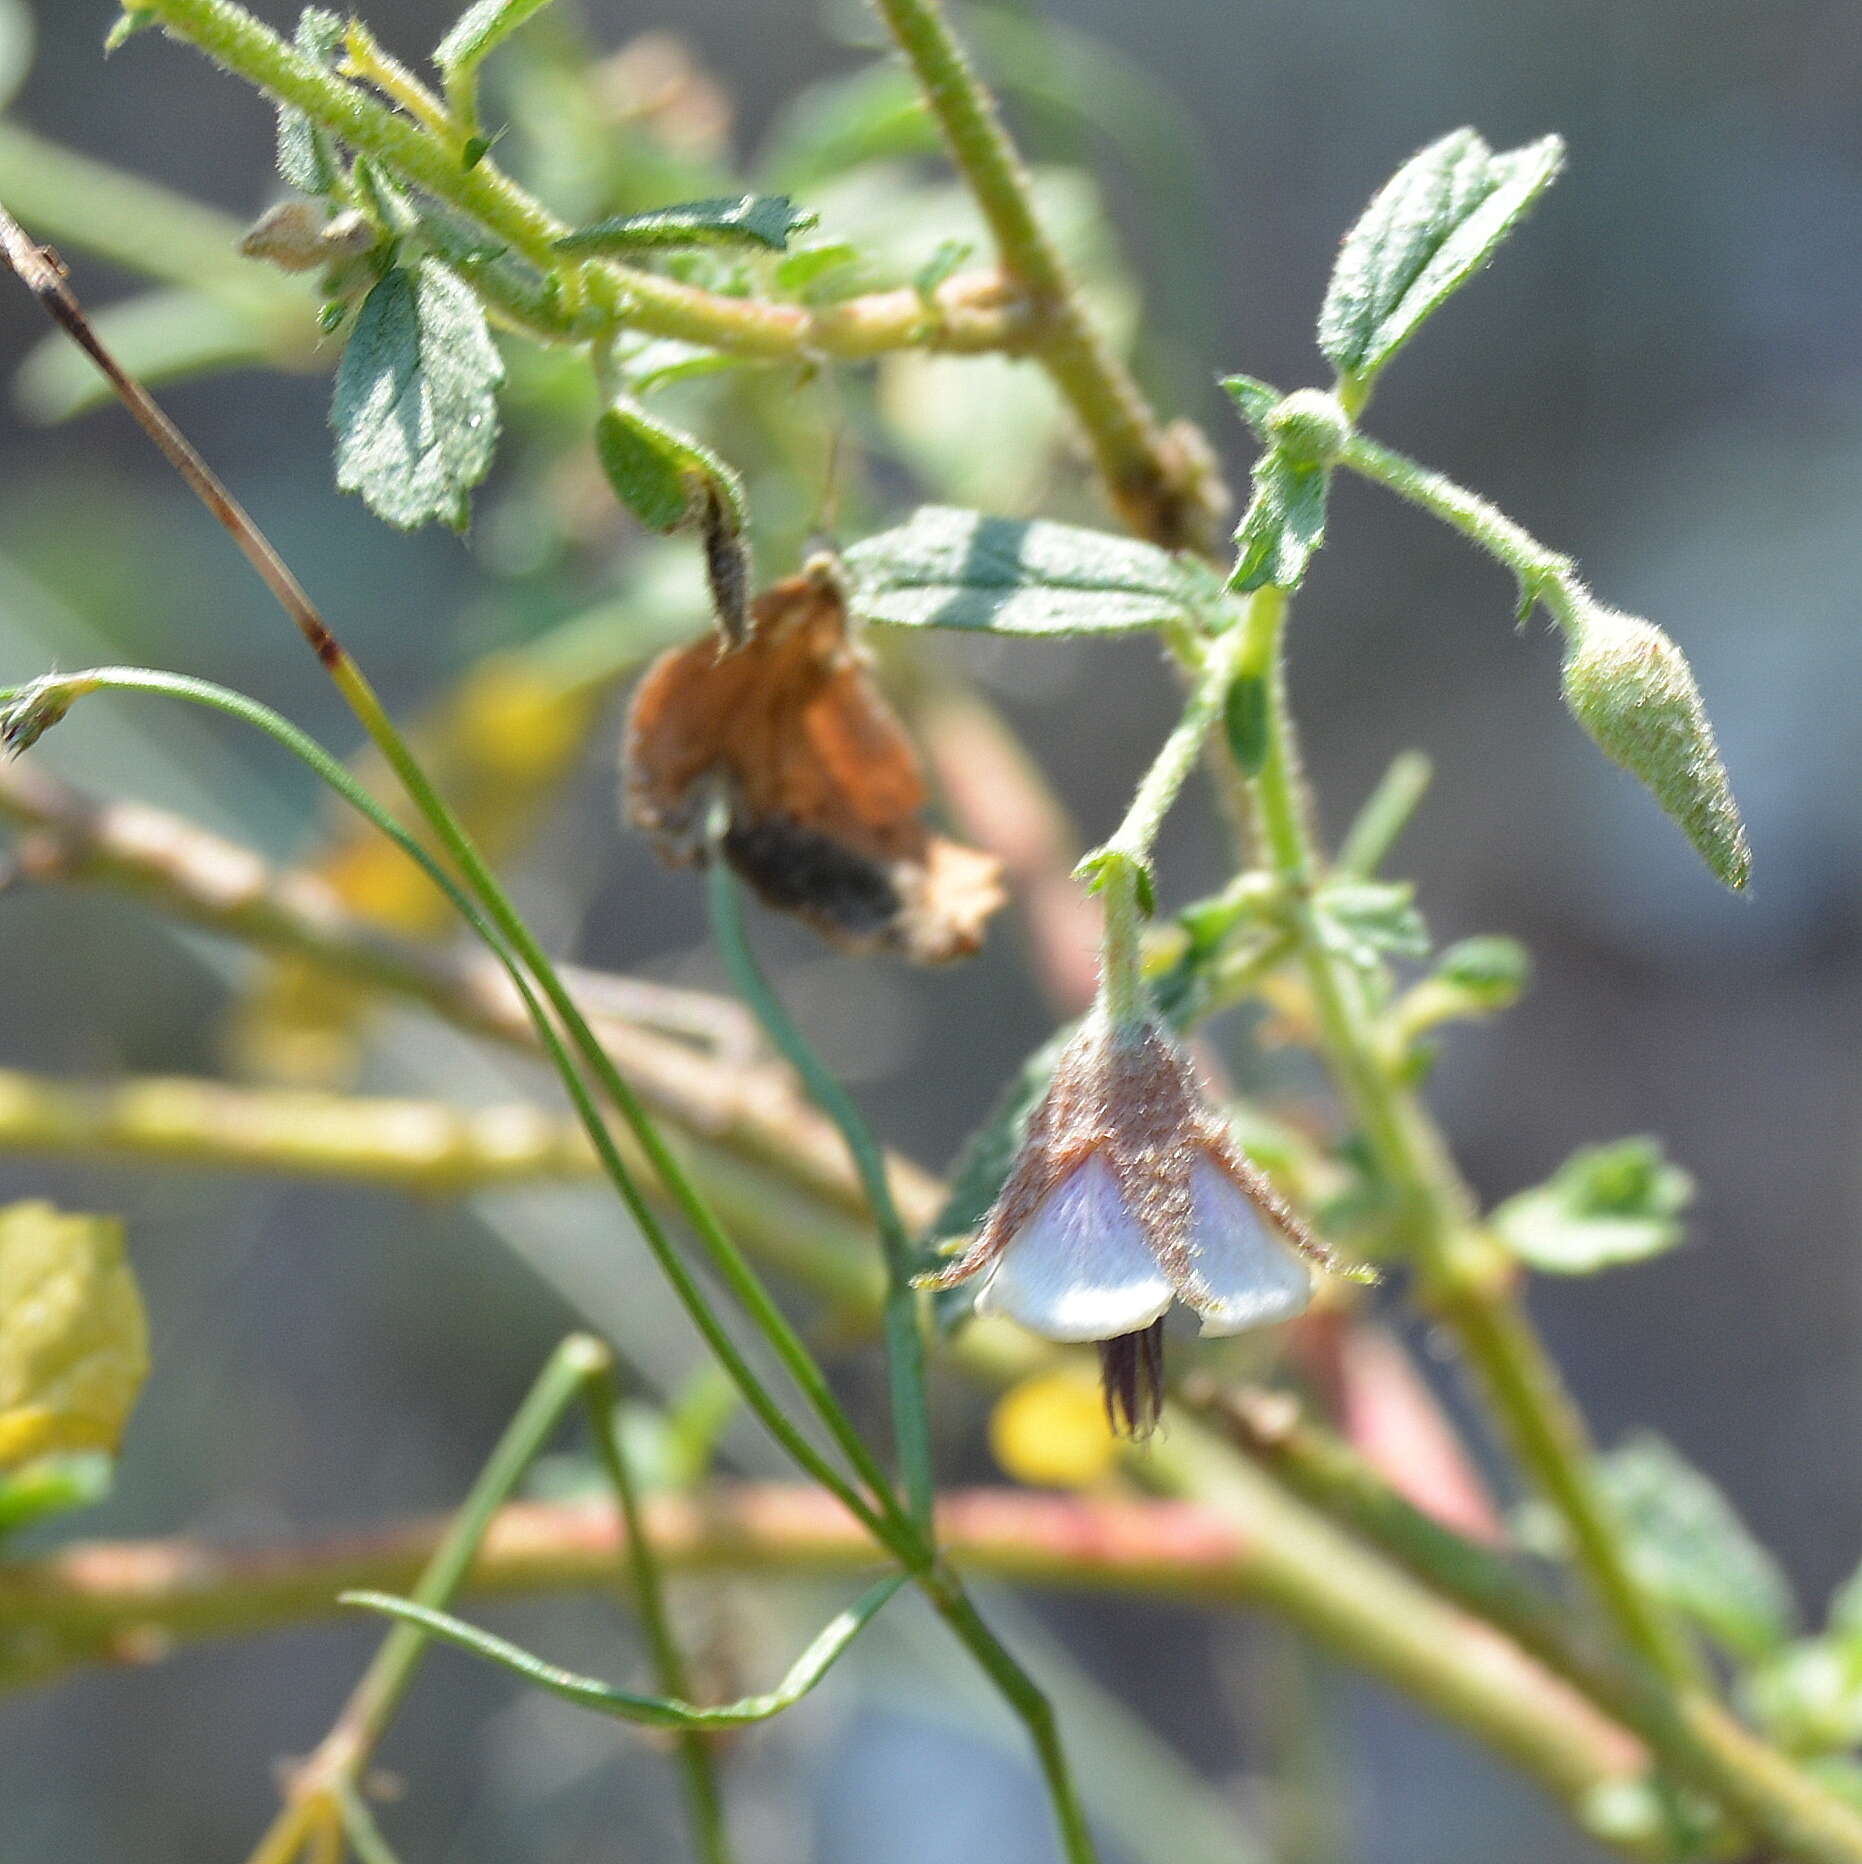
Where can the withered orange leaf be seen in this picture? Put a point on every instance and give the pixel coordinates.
(822, 788)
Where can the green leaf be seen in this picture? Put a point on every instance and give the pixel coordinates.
(1605, 1205)
(668, 480)
(660, 474)
(53, 1485)
(1808, 1696)
(947, 568)
(655, 1711)
(306, 155)
(1686, 1545)
(1365, 921)
(1491, 968)
(74, 1341)
(875, 114)
(943, 263)
(1256, 400)
(1283, 525)
(801, 272)
(1845, 1611)
(1098, 869)
(478, 30)
(661, 360)
(415, 411)
(1433, 225)
(129, 22)
(765, 220)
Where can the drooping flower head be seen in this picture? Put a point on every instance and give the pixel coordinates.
(1129, 1194)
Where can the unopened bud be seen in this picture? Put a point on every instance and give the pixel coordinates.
(297, 236)
(1310, 427)
(1629, 686)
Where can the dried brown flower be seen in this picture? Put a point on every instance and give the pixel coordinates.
(823, 791)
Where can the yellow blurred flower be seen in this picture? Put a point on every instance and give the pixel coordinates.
(1051, 1431)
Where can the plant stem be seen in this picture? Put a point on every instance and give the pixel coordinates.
(1156, 487)
(1688, 1730)
(905, 1361)
(881, 1515)
(1121, 962)
(1035, 1711)
(499, 924)
(704, 1801)
(1463, 1275)
(1544, 574)
(905, 1348)
(1120, 868)
(1384, 817)
(1222, 659)
(344, 1753)
(746, 1114)
(968, 314)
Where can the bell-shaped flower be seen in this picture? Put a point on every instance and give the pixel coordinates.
(1130, 1194)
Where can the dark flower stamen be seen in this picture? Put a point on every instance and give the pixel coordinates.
(1131, 1369)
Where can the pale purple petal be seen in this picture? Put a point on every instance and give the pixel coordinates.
(1079, 1268)
(1250, 1276)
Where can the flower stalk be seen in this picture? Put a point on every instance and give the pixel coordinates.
(1463, 1275)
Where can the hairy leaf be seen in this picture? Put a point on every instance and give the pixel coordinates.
(1254, 400)
(1365, 921)
(1283, 525)
(669, 480)
(660, 474)
(1686, 1545)
(763, 220)
(415, 411)
(1604, 1206)
(947, 568)
(479, 29)
(306, 155)
(656, 1711)
(1432, 226)
(74, 1343)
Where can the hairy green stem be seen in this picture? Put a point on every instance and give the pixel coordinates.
(1544, 574)
(1222, 659)
(1463, 1275)
(502, 928)
(965, 314)
(1384, 817)
(1156, 487)
(1036, 1713)
(905, 1359)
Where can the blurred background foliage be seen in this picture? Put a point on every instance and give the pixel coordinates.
(1663, 377)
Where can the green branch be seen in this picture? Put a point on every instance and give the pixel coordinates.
(971, 313)
(1163, 485)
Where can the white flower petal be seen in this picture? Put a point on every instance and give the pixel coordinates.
(1251, 1277)
(1079, 1268)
